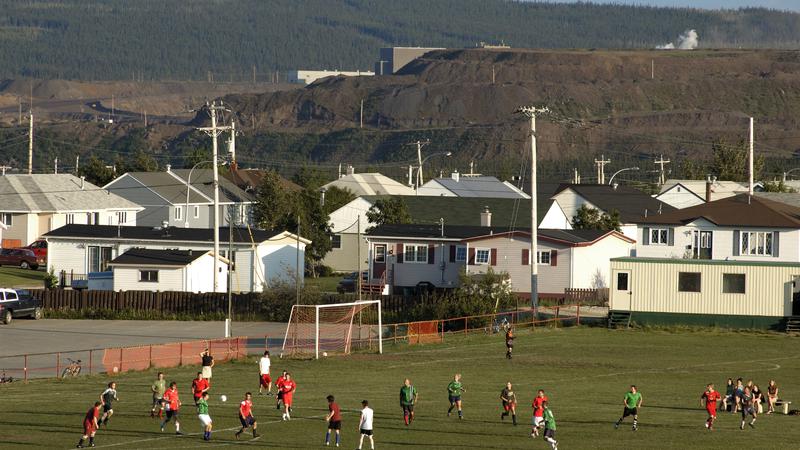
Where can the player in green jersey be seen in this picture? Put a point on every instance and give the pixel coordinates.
(408, 397)
(454, 391)
(202, 414)
(158, 388)
(549, 426)
(632, 403)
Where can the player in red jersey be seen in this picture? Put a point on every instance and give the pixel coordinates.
(334, 419)
(538, 412)
(246, 416)
(199, 387)
(278, 383)
(710, 398)
(173, 405)
(287, 388)
(90, 424)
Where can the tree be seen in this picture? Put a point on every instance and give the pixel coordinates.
(777, 186)
(273, 203)
(96, 172)
(389, 210)
(336, 197)
(730, 161)
(587, 218)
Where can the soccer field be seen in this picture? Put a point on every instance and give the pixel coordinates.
(584, 371)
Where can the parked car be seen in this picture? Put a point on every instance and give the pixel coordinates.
(348, 283)
(39, 248)
(20, 303)
(20, 257)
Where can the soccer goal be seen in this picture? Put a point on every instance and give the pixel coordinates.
(337, 328)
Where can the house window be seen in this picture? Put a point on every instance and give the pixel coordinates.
(93, 218)
(336, 240)
(196, 212)
(482, 256)
(622, 281)
(755, 243)
(688, 281)
(415, 253)
(122, 217)
(148, 276)
(543, 258)
(733, 283)
(179, 213)
(659, 236)
(380, 253)
(461, 253)
(6, 218)
(98, 258)
(70, 218)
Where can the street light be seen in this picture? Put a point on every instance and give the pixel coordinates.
(620, 171)
(189, 183)
(422, 161)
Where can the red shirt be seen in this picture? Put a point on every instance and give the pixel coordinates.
(93, 413)
(198, 386)
(246, 408)
(538, 409)
(171, 397)
(279, 382)
(288, 386)
(334, 408)
(711, 399)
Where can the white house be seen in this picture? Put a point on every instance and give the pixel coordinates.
(369, 184)
(141, 269)
(686, 193)
(460, 185)
(258, 257)
(33, 205)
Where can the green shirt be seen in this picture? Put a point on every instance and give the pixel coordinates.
(407, 394)
(549, 420)
(632, 400)
(202, 407)
(159, 387)
(455, 388)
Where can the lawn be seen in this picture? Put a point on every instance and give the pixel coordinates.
(323, 284)
(14, 277)
(585, 372)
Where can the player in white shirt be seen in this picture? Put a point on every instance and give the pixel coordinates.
(264, 380)
(365, 425)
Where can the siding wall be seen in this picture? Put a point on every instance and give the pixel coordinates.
(442, 273)
(679, 197)
(344, 259)
(127, 279)
(591, 264)
(654, 288)
(555, 219)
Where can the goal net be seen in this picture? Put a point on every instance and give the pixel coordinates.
(314, 330)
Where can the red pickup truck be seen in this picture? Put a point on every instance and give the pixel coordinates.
(39, 248)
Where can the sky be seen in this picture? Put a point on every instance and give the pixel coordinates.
(792, 5)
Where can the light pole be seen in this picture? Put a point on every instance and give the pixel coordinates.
(422, 161)
(189, 183)
(610, 180)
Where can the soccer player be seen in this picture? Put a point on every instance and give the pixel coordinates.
(278, 386)
(173, 406)
(737, 395)
(90, 424)
(454, 391)
(264, 381)
(246, 415)
(549, 426)
(538, 412)
(208, 362)
(710, 398)
(408, 397)
(108, 397)
(632, 403)
(158, 388)
(509, 342)
(334, 419)
(287, 388)
(365, 425)
(509, 399)
(199, 387)
(748, 407)
(202, 414)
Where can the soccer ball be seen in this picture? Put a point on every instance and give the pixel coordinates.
(224, 398)
(324, 354)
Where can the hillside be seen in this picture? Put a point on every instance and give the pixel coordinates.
(227, 40)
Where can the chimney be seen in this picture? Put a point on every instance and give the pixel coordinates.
(83, 179)
(708, 188)
(486, 217)
(351, 170)
(455, 176)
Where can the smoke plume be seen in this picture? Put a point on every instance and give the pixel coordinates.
(688, 40)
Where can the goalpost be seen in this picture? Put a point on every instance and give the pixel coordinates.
(335, 328)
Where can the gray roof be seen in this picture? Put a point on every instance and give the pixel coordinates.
(57, 193)
(154, 257)
(168, 187)
(202, 180)
(172, 186)
(478, 186)
(789, 198)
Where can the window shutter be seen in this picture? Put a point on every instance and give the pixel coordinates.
(671, 236)
(431, 253)
(776, 243)
(737, 245)
(471, 258)
(553, 257)
(646, 236)
(493, 256)
(526, 256)
(399, 253)
(452, 253)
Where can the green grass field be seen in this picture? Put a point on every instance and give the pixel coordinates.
(585, 372)
(14, 277)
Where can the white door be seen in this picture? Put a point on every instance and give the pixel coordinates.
(623, 290)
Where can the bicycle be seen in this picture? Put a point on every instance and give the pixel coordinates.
(73, 369)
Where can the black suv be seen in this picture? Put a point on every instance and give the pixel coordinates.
(20, 303)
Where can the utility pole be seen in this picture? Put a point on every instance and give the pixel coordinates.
(531, 113)
(358, 255)
(576, 178)
(652, 69)
(419, 145)
(229, 321)
(410, 172)
(601, 169)
(145, 118)
(214, 131)
(77, 163)
(55, 166)
(362, 113)
(232, 144)
(662, 178)
(30, 145)
(750, 160)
